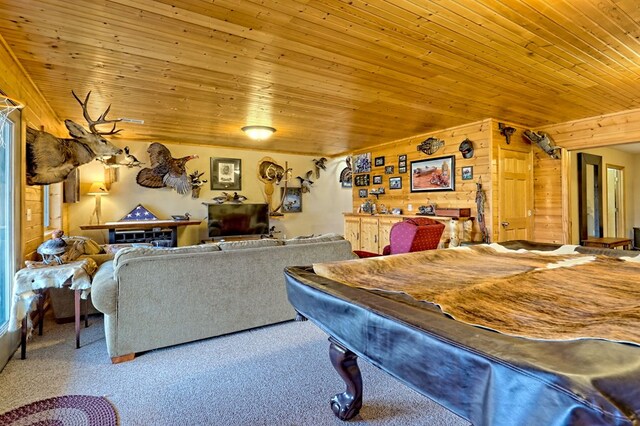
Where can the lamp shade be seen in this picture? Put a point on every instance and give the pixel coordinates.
(259, 132)
(98, 188)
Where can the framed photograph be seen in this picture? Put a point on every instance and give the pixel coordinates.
(292, 200)
(379, 161)
(467, 173)
(388, 170)
(363, 193)
(362, 180)
(402, 164)
(225, 173)
(377, 180)
(434, 174)
(402, 157)
(395, 182)
(362, 163)
(402, 169)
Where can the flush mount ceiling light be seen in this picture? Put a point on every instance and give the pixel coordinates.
(258, 133)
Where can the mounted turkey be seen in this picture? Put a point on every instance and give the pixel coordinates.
(165, 170)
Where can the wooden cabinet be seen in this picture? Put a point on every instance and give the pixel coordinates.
(368, 233)
(371, 233)
(352, 231)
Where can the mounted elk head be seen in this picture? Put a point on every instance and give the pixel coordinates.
(50, 159)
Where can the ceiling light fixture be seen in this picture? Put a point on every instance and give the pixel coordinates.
(259, 133)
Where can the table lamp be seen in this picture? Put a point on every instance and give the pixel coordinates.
(98, 189)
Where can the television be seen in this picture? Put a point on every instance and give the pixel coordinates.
(226, 220)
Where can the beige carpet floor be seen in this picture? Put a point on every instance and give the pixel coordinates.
(276, 375)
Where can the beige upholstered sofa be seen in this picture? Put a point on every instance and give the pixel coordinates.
(152, 298)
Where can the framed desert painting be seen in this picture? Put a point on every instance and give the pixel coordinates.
(433, 174)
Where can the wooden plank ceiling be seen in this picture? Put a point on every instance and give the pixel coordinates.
(332, 76)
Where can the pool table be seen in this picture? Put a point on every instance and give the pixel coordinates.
(483, 376)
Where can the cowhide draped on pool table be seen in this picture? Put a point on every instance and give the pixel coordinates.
(541, 295)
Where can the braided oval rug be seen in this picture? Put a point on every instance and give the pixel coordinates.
(69, 410)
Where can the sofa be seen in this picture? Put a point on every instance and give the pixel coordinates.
(157, 297)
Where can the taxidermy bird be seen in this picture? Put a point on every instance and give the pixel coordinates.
(52, 249)
(320, 164)
(305, 182)
(130, 160)
(165, 170)
(220, 198)
(235, 198)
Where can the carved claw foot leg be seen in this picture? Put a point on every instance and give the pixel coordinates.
(347, 404)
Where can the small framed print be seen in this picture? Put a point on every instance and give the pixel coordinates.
(362, 163)
(395, 182)
(388, 170)
(379, 161)
(402, 157)
(402, 169)
(377, 179)
(402, 164)
(362, 180)
(467, 173)
(363, 193)
(291, 200)
(225, 173)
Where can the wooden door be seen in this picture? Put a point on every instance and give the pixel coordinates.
(369, 234)
(384, 230)
(352, 231)
(515, 182)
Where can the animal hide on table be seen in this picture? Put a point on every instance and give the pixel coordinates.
(532, 295)
(37, 276)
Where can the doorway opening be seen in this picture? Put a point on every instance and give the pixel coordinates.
(615, 201)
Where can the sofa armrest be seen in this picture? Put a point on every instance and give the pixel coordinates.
(104, 289)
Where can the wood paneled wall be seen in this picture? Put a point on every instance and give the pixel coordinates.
(465, 190)
(552, 178)
(15, 82)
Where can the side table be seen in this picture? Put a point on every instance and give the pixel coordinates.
(32, 281)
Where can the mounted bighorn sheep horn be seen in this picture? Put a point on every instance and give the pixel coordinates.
(50, 159)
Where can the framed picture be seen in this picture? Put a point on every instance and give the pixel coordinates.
(402, 164)
(402, 157)
(388, 170)
(362, 180)
(395, 182)
(379, 161)
(402, 169)
(362, 163)
(291, 200)
(377, 180)
(467, 173)
(363, 193)
(225, 173)
(434, 174)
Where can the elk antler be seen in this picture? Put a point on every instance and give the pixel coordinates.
(101, 120)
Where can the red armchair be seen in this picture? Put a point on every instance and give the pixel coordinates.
(411, 235)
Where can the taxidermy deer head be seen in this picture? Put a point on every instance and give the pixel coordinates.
(50, 159)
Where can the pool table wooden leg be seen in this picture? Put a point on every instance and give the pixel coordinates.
(347, 404)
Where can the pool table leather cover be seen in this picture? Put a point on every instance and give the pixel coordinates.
(483, 376)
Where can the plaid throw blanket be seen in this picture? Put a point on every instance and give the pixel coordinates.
(540, 295)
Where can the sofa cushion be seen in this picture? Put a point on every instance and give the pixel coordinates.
(248, 244)
(134, 252)
(312, 240)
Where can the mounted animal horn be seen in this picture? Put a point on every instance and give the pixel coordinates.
(50, 159)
